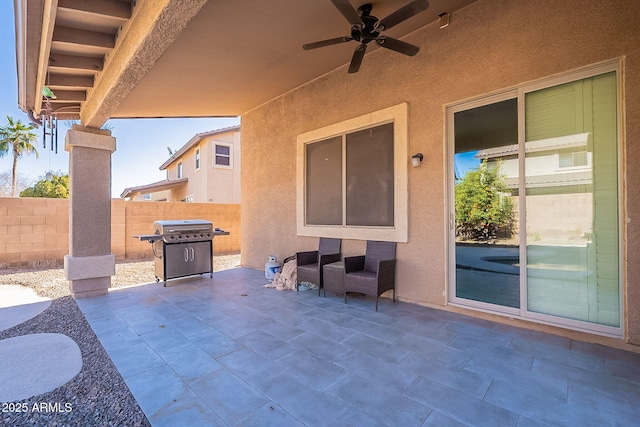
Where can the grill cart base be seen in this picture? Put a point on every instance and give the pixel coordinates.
(182, 248)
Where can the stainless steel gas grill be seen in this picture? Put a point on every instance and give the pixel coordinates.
(182, 247)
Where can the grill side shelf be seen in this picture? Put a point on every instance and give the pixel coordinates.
(147, 237)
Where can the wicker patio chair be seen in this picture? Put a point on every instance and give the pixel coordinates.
(373, 273)
(310, 263)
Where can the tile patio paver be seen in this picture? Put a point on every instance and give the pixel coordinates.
(228, 351)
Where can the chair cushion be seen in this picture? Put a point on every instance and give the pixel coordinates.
(364, 274)
(309, 273)
(308, 267)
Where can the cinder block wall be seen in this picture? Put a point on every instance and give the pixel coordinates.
(35, 231)
(141, 215)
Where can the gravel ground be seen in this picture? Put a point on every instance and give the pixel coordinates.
(98, 395)
(51, 283)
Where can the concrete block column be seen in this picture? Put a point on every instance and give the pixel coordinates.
(90, 263)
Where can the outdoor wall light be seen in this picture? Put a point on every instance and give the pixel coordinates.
(416, 159)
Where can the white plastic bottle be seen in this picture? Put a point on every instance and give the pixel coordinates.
(272, 267)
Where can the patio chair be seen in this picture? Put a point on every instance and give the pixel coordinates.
(310, 263)
(373, 273)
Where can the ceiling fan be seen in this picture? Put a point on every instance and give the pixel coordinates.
(366, 28)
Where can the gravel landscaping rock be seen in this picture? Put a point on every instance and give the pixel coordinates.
(51, 282)
(97, 396)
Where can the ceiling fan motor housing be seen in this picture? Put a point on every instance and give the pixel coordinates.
(368, 32)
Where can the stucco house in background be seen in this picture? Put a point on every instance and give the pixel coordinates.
(204, 170)
(493, 58)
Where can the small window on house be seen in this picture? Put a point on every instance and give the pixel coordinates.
(190, 198)
(147, 196)
(197, 158)
(179, 170)
(222, 155)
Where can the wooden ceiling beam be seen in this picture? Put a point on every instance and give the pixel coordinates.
(83, 37)
(59, 61)
(68, 81)
(113, 8)
(65, 96)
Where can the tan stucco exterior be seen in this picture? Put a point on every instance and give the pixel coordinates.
(488, 47)
(209, 183)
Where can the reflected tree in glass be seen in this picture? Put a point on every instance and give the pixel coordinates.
(483, 204)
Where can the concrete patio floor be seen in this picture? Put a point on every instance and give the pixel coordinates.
(228, 351)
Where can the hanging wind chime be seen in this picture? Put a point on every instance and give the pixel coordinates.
(49, 121)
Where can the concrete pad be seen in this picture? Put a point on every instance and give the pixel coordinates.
(19, 304)
(35, 364)
(12, 295)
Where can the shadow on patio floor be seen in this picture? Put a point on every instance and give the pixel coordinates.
(228, 351)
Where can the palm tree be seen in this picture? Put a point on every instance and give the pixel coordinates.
(19, 138)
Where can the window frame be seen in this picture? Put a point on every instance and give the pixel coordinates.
(197, 155)
(214, 154)
(179, 170)
(519, 91)
(398, 115)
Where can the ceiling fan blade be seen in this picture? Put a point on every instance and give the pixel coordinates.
(356, 60)
(328, 42)
(402, 14)
(348, 11)
(397, 45)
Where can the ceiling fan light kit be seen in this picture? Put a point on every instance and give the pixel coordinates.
(366, 28)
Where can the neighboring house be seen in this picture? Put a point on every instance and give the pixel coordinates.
(559, 173)
(204, 170)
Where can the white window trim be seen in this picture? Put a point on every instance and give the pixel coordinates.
(400, 231)
(225, 144)
(197, 158)
(190, 196)
(179, 170)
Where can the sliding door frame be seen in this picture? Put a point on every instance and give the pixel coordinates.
(519, 92)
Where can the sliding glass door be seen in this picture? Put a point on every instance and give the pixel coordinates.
(572, 201)
(486, 190)
(534, 203)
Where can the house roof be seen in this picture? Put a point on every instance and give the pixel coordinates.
(195, 141)
(172, 58)
(156, 186)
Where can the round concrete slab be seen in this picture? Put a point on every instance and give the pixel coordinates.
(19, 304)
(35, 364)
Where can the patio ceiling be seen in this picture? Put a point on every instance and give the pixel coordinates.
(168, 58)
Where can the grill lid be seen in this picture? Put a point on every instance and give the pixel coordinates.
(165, 227)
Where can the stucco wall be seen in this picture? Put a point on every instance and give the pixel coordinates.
(208, 183)
(223, 184)
(35, 231)
(489, 46)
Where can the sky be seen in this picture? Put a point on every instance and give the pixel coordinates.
(141, 144)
